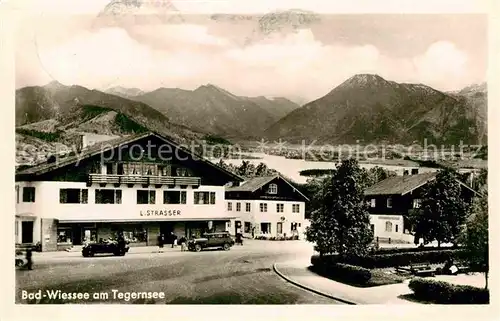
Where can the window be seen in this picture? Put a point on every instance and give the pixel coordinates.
(181, 172)
(263, 207)
(238, 207)
(248, 207)
(64, 235)
(119, 169)
(372, 202)
(265, 228)
(414, 171)
(73, 196)
(280, 208)
(389, 202)
(247, 226)
(295, 208)
(108, 196)
(388, 226)
(204, 197)
(417, 203)
(17, 193)
(174, 197)
(146, 197)
(28, 194)
(396, 228)
(293, 227)
(229, 206)
(279, 228)
(164, 170)
(109, 168)
(273, 189)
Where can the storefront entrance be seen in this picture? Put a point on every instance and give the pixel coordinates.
(27, 232)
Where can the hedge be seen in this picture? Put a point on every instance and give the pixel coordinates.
(446, 293)
(372, 261)
(348, 273)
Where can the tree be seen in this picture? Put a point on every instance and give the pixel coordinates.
(474, 236)
(443, 211)
(340, 222)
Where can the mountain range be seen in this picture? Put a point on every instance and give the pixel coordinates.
(214, 110)
(366, 108)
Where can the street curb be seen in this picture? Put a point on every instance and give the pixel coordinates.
(275, 268)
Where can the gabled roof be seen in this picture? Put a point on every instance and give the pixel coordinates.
(105, 146)
(400, 185)
(255, 183)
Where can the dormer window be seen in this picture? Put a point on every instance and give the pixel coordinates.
(273, 189)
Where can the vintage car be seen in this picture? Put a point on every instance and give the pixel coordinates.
(21, 258)
(221, 240)
(110, 246)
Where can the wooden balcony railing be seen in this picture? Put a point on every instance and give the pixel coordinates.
(143, 179)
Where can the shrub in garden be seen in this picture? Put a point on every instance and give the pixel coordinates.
(447, 293)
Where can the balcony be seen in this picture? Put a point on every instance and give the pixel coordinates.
(143, 180)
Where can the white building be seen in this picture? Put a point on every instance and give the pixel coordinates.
(142, 185)
(268, 206)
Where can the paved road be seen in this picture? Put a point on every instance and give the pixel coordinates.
(242, 275)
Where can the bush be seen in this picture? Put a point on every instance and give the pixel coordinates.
(394, 259)
(447, 293)
(344, 272)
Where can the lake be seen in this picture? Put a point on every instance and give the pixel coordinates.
(291, 168)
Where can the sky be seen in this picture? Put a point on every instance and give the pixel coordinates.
(299, 54)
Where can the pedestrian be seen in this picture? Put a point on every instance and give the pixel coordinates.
(121, 242)
(29, 260)
(161, 241)
(173, 239)
(183, 241)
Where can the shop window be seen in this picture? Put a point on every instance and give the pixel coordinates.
(135, 234)
(174, 197)
(280, 208)
(229, 206)
(64, 235)
(388, 226)
(263, 207)
(73, 196)
(28, 194)
(248, 227)
(248, 207)
(273, 189)
(295, 208)
(204, 197)
(238, 207)
(146, 197)
(108, 196)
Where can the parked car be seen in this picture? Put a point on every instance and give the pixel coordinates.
(221, 240)
(90, 249)
(21, 260)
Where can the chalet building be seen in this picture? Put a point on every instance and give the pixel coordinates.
(391, 200)
(268, 206)
(142, 185)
